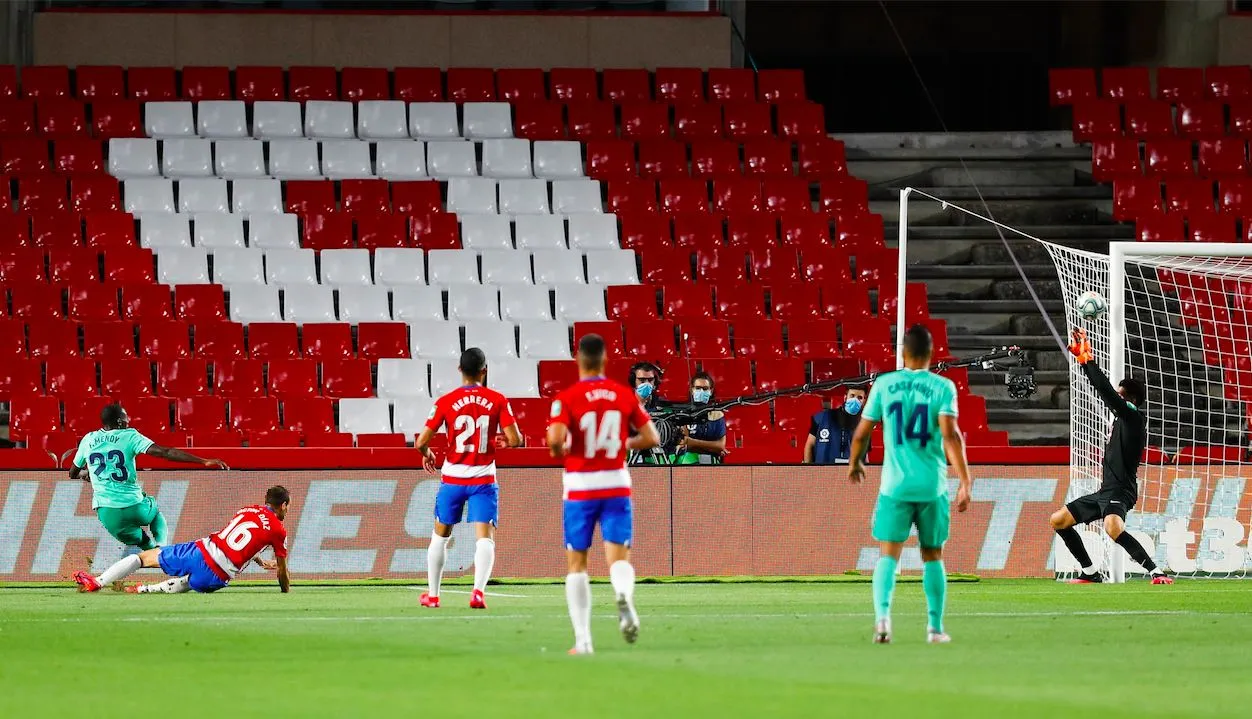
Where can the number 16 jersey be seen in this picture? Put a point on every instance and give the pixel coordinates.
(599, 414)
(909, 404)
(473, 416)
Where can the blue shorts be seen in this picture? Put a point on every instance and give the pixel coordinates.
(186, 560)
(483, 501)
(581, 516)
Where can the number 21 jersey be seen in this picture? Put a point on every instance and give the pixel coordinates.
(909, 404)
(599, 414)
(473, 415)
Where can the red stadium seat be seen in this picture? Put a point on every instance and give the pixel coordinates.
(610, 331)
(1169, 158)
(290, 378)
(273, 340)
(844, 199)
(238, 378)
(381, 230)
(150, 415)
(12, 339)
(24, 156)
(377, 340)
(1126, 83)
(1159, 228)
(592, 121)
(77, 156)
(82, 415)
(698, 231)
(759, 340)
(41, 194)
(347, 378)
(798, 301)
(795, 414)
(609, 159)
(555, 376)
(650, 340)
(1241, 118)
(752, 229)
(279, 438)
(365, 83)
(721, 265)
(531, 416)
(642, 231)
(879, 267)
(219, 341)
(631, 302)
(731, 85)
(663, 266)
(1180, 84)
(621, 85)
(687, 301)
(804, 229)
(1212, 228)
(662, 159)
(110, 230)
(747, 121)
(36, 301)
(71, 377)
(1234, 196)
(19, 377)
(199, 302)
(645, 121)
(116, 118)
(45, 81)
(435, 232)
(1149, 119)
(126, 378)
(973, 411)
(129, 265)
(572, 84)
(825, 370)
(1233, 82)
(678, 196)
(705, 339)
(775, 265)
(780, 85)
(61, 119)
(72, 265)
(330, 439)
(1223, 158)
(741, 302)
(845, 302)
(200, 415)
(15, 237)
(17, 118)
(826, 265)
(867, 337)
(254, 83)
(697, 121)
(1188, 197)
(749, 420)
(254, 415)
(518, 84)
(151, 84)
(165, 340)
(715, 158)
(471, 84)
(679, 84)
(779, 374)
(801, 120)
(769, 158)
(1067, 86)
(365, 196)
(206, 83)
(183, 378)
(99, 82)
(312, 83)
(93, 301)
(327, 231)
(731, 377)
(1097, 120)
(33, 416)
(61, 231)
(1135, 196)
(418, 84)
(539, 120)
(418, 197)
(308, 196)
(1201, 120)
(1114, 159)
(327, 340)
(813, 338)
(309, 415)
(738, 195)
(917, 307)
(787, 195)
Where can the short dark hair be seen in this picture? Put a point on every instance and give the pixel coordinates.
(590, 351)
(857, 388)
(704, 376)
(918, 343)
(1135, 391)
(277, 496)
(473, 362)
(112, 414)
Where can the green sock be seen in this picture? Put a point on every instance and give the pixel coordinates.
(884, 586)
(160, 531)
(935, 584)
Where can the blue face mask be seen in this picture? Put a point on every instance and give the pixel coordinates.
(701, 396)
(644, 390)
(852, 406)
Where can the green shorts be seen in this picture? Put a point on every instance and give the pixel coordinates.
(893, 518)
(126, 523)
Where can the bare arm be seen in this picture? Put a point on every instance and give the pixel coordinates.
(512, 438)
(557, 434)
(860, 445)
(422, 443)
(647, 438)
(77, 472)
(954, 448)
(284, 580)
(177, 455)
(708, 446)
(809, 445)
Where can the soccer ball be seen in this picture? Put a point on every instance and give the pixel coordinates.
(1091, 305)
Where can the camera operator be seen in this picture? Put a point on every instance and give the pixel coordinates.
(703, 442)
(830, 431)
(645, 378)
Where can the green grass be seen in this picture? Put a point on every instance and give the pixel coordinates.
(1021, 649)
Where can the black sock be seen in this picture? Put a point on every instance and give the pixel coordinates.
(1136, 551)
(1073, 540)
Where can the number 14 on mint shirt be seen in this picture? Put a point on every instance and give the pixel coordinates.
(909, 404)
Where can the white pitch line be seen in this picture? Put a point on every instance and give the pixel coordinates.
(462, 591)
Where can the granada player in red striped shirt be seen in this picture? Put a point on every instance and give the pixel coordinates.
(590, 426)
(472, 414)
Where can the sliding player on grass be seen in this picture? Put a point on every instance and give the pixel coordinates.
(1119, 489)
(207, 565)
(472, 414)
(107, 457)
(918, 412)
(590, 426)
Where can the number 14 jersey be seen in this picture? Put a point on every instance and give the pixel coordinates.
(473, 415)
(909, 403)
(599, 414)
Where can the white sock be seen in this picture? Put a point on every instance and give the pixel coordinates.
(484, 560)
(436, 554)
(1089, 569)
(578, 596)
(622, 575)
(120, 569)
(177, 585)
(1156, 572)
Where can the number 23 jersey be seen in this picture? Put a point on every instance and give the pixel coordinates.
(474, 415)
(108, 455)
(909, 404)
(599, 414)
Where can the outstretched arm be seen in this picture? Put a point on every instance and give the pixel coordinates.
(1081, 349)
(954, 448)
(177, 455)
(284, 580)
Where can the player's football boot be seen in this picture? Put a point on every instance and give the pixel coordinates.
(477, 600)
(86, 582)
(429, 601)
(1162, 579)
(131, 589)
(579, 649)
(627, 620)
(882, 632)
(937, 637)
(1093, 578)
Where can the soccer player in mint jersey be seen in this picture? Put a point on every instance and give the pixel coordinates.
(107, 458)
(918, 412)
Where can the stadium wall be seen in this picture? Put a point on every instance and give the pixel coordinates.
(496, 40)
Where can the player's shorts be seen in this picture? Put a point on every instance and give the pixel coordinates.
(126, 523)
(483, 501)
(581, 516)
(893, 518)
(1098, 505)
(186, 560)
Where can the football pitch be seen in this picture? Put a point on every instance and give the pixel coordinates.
(1021, 649)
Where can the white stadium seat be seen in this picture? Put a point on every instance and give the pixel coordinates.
(558, 159)
(346, 159)
(506, 267)
(329, 119)
(450, 267)
(413, 303)
(539, 232)
(148, 195)
(164, 230)
(445, 376)
(219, 231)
(433, 121)
(239, 158)
(238, 267)
(346, 267)
(308, 303)
(593, 232)
(133, 157)
(187, 158)
(574, 197)
(276, 120)
(221, 118)
(447, 159)
(580, 303)
(401, 159)
(525, 302)
(541, 339)
(364, 303)
(524, 197)
(558, 267)
(496, 339)
(273, 231)
(434, 339)
(381, 120)
(365, 415)
(471, 195)
(294, 160)
(257, 197)
(288, 268)
(473, 302)
(487, 120)
(514, 377)
(403, 379)
(399, 266)
(254, 303)
(507, 159)
(612, 267)
(486, 232)
(207, 195)
(411, 416)
(168, 119)
(182, 266)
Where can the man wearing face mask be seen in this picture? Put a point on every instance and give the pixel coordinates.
(830, 432)
(645, 377)
(703, 442)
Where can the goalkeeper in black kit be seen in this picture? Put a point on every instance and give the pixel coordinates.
(1119, 489)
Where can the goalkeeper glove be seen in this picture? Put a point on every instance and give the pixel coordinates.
(1079, 347)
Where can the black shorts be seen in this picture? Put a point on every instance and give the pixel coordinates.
(1101, 504)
